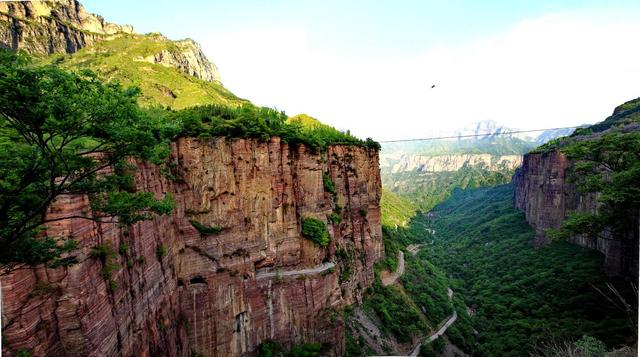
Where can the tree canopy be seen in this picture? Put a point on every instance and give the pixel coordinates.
(69, 133)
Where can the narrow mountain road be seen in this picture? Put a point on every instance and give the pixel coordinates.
(389, 279)
(443, 327)
(263, 274)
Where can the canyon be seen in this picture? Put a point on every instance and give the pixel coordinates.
(453, 162)
(176, 291)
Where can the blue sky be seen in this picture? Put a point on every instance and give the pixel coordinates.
(355, 64)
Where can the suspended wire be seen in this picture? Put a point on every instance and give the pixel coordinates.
(475, 135)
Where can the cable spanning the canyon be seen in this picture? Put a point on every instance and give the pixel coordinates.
(476, 135)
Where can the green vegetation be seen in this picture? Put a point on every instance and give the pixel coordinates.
(604, 160)
(107, 256)
(205, 229)
(609, 165)
(315, 230)
(161, 251)
(248, 121)
(305, 121)
(399, 316)
(493, 146)
(434, 348)
(329, 186)
(396, 210)
(427, 189)
(624, 114)
(57, 131)
(523, 296)
(272, 348)
(345, 264)
(123, 59)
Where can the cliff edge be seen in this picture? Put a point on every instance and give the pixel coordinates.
(226, 271)
(589, 176)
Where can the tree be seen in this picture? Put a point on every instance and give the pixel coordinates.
(68, 133)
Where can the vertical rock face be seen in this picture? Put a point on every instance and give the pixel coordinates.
(177, 291)
(544, 194)
(46, 27)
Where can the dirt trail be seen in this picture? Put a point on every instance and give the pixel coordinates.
(444, 325)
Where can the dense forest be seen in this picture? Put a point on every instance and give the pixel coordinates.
(523, 297)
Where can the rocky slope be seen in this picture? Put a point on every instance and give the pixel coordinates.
(47, 27)
(44, 27)
(547, 193)
(179, 292)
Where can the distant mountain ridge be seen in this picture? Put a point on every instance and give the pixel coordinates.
(484, 153)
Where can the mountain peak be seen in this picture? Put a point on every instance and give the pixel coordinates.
(48, 27)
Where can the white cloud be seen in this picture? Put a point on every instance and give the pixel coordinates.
(558, 70)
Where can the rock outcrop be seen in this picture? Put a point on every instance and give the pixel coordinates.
(47, 27)
(187, 57)
(546, 196)
(178, 292)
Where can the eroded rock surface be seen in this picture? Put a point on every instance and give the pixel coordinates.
(176, 291)
(545, 194)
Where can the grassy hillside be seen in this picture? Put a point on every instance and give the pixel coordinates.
(395, 209)
(522, 296)
(305, 121)
(122, 59)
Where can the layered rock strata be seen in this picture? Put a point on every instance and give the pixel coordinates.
(546, 196)
(47, 27)
(178, 292)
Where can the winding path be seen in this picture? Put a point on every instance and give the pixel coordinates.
(443, 327)
(262, 274)
(393, 277)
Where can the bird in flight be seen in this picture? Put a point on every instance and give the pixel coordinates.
(433, 86)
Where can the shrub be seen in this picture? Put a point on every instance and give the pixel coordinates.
(329, 186)
(590, 346)
(335, 218)
(270, 348)
(161, 251)
(315, 230)
(305, 350)
(204, 229)
(106, 254)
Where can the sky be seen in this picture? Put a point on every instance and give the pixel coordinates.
(369, 66)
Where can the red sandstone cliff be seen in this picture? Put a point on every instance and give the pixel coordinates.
(204, 296)
(545, 195)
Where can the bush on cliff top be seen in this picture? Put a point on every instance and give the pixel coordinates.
(249, 121)
(316, 230)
